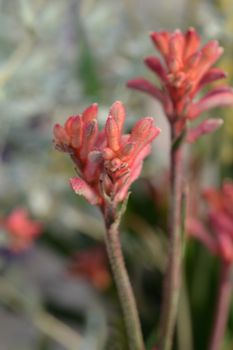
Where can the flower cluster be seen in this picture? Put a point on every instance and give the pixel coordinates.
(219, 222)
(184, 70)
(21, 230)
(107, 161)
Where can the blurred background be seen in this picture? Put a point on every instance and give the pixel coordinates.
(56, 58)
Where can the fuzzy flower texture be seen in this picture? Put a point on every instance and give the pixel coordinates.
(107, 161)
(217, 231)
(185, 68)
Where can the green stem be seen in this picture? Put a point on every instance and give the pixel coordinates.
(123, 284)
(172, 281)
(222, 307)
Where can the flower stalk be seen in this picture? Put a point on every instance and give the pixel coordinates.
(172, 281)
(124, 288)
(222, 307)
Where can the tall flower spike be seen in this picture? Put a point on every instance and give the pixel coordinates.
(107, 161)
(185, 68)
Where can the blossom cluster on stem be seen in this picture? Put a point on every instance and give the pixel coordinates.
(183, 70)
(107, 161)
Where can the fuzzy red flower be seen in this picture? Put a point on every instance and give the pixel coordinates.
(185, 68)
(217, 233)
(107, 161)
(22, 231)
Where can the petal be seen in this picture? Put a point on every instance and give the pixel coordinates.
(90, 113)
(212, 75)
(144, 131)
(192, 42)
(93, 165)
(83, 189)
(89, 137)
(176, 49)
(217, 97)
(160, 39)
(206, 127)
(144, 85)
(68, 124)
(77, 132)
(61, 136)
(118, 112)
(112, 134)
(155, 65)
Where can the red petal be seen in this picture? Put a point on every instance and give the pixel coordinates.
(60, 134)
(89, 137)
(118, 112)
(82, 188)
(77, 132)
(90, 113)
(205, 127)
(155, 65)
(176, 49)
(192, 42)
(112, 134)
(160, 39)
(222, 96)
(144, 85)
(212, 75)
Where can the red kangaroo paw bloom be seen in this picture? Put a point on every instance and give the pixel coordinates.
(184, 69)
(107, 161)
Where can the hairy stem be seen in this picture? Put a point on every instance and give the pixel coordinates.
(123, 285)
(173, 274)
(222, 307)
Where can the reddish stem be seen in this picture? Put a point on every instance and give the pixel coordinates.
(173, 275)
(222, 307)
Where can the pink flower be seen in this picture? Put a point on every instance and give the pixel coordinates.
(185, 68)
(21, 230)
(217, 232)
(107, 161)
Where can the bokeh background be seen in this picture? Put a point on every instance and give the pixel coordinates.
(56, 58)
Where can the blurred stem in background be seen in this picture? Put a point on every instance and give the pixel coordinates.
(49, 325)
(124, 288)
(172, 281)
(222, 306)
